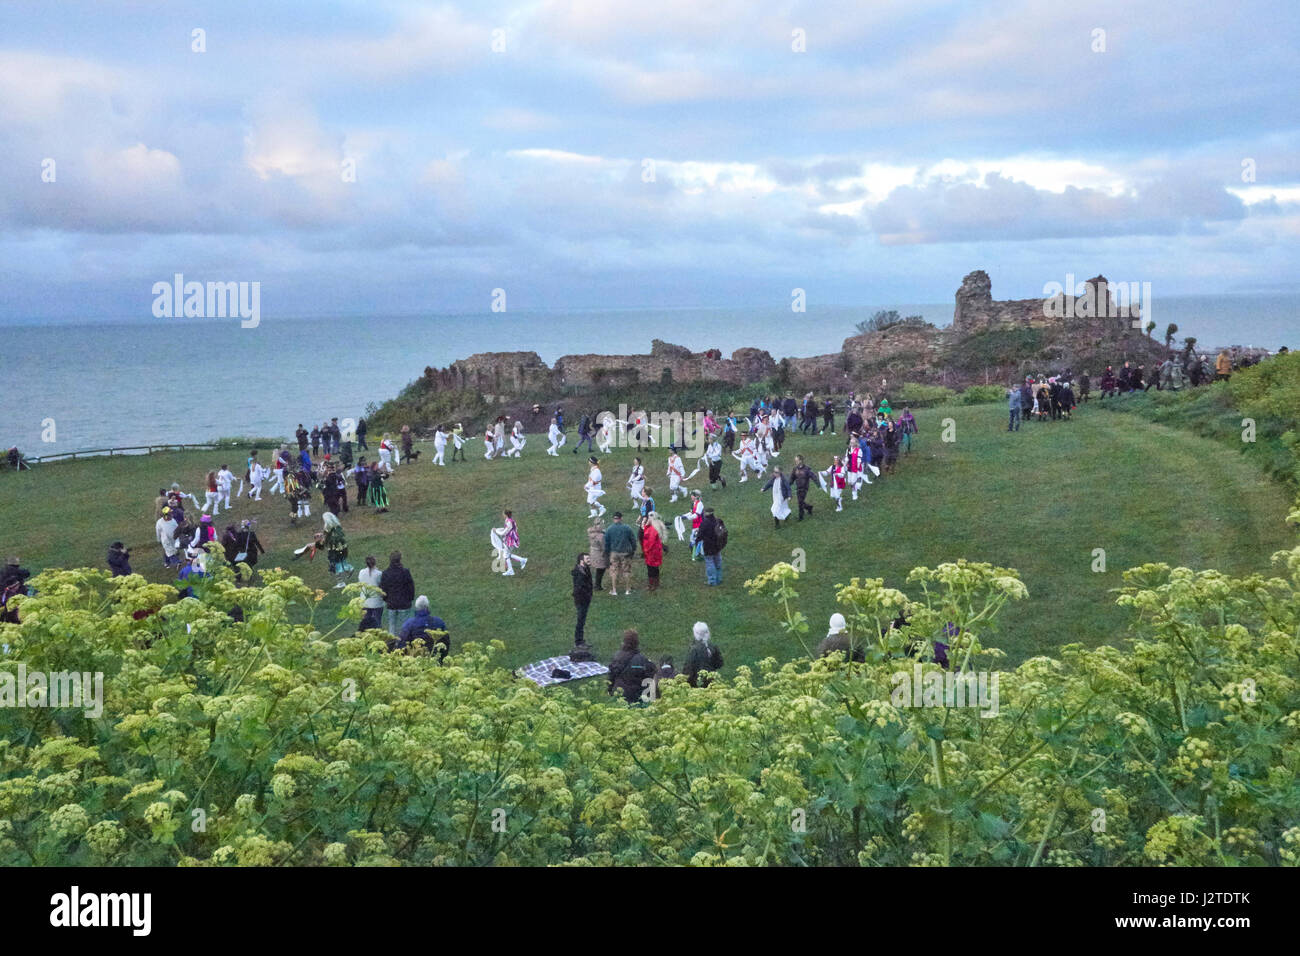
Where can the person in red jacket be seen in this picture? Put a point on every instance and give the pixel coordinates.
(652, 546)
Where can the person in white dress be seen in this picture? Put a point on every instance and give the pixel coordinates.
(508, 535)
(386, 455)
(594, 489)
(605, 436)
(440, 446)
(489, 443)
(636, 482)
(556, 437)
(780, 496)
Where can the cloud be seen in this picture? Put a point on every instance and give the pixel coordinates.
(1001, 209)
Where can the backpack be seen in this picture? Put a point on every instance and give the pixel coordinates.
(722, 534)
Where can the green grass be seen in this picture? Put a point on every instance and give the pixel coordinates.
(1040, 501)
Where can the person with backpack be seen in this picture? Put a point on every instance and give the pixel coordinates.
(712, 538)
(702, 656)
(630, 669)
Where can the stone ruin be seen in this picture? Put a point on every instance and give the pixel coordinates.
(913, 350)
(977, 311)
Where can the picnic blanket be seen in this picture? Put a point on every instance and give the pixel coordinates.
(540, 673)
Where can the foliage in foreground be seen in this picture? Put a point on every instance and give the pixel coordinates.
(265, 742)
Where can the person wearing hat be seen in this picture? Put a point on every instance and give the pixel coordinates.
(636, 481)
(165, 531)
(593, 488)
(119, 559)
(837, 640)
(204, 533)
(620, 545)
(702, 656)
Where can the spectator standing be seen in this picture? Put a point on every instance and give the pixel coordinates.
(399, 592)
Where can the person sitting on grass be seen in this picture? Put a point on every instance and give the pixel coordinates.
(630, 669)
(702, 657)
(419, 628)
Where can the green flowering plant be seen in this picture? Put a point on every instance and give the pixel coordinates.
(276, 737)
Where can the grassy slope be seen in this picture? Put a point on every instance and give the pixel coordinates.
(1039, 501)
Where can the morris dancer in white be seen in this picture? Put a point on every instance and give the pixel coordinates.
(557, 439)
(489, 443)
(386, 455)
(225, 478)
(748, 460)
(517, 440)
(440, 446)
(675, 475)
(837, 478)
(854, 475)
(605, 436)
(277, 471)
(509, 538)
(212, 498)
(256, 475)
(636, 482)
(593, 489)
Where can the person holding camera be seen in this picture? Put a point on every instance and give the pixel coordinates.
(119, 559)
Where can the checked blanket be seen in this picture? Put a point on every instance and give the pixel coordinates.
(540, 673)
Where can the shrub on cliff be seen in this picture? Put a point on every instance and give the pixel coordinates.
(983, 395)
(921, 396)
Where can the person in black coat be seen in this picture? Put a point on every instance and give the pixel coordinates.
(399, 592)
(630, 669)
(801, 475)
(582, 591)
(119, 559)
(246, 543)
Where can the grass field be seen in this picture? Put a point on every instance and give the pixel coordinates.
(1040, 501)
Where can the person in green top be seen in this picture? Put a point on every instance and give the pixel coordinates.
(620, 545)
(336, 548)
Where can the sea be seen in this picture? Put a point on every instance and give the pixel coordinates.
(75, 385)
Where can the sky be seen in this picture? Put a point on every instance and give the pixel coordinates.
(403, 158)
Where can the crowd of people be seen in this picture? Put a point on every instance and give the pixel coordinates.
(326, 459)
